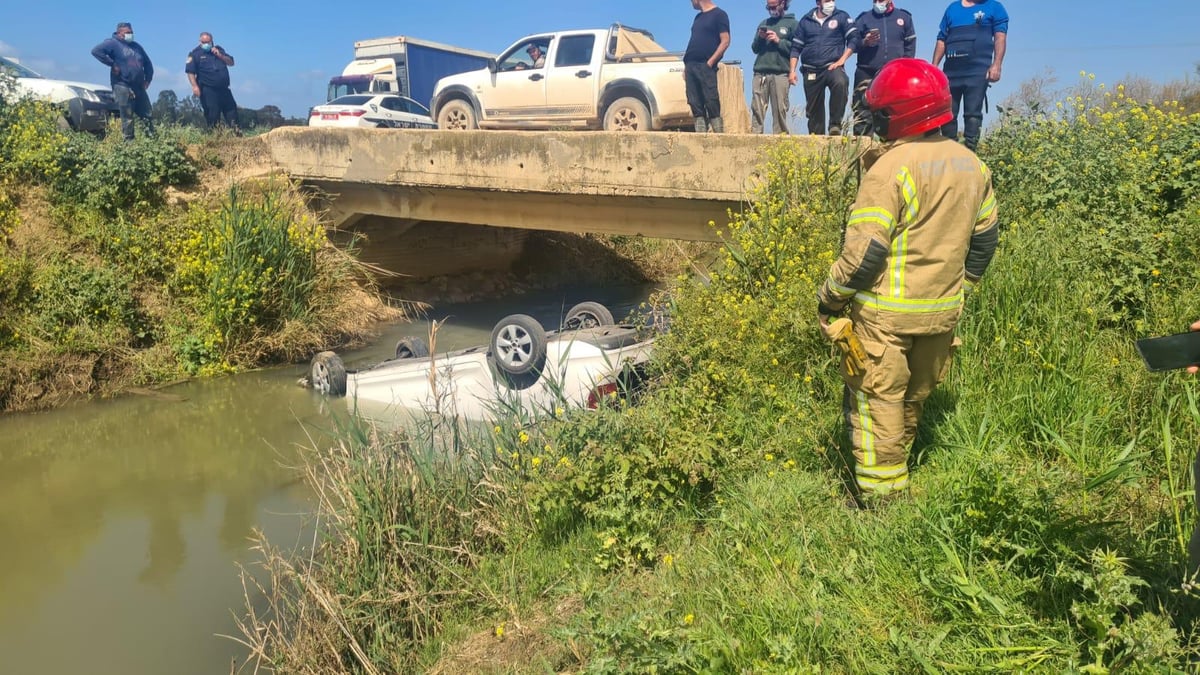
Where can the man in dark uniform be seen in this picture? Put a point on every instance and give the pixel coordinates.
(973, 37)
(885, 33)
(822, 44)
(710, 39)
(208, 70)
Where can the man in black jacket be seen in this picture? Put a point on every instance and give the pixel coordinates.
(885, 33)
(130, 73)
(821, 46)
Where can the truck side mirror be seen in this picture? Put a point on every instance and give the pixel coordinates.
(492, 65)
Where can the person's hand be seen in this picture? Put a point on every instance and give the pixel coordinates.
(216, 50)
(195, 90)
(993, 74)
(823, 322)
(836, 64)
(872, 39)
(793, 78)
(772, 36)
(116, 70)
(145, 85)
(1194, 369)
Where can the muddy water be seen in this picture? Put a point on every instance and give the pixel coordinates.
(122, 522)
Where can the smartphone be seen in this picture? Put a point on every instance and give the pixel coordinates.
(1170, 352)
(762, 31)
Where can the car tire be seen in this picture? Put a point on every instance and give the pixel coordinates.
(457, 115)
(327, 374)
(411, 347)
(627, 114)
(518, 346)
(587, 315)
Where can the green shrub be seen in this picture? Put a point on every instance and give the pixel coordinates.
(116, 176)
(82, 306)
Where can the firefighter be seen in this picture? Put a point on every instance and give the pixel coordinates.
(922, 232)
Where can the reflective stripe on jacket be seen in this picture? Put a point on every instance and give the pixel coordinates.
(924, 223)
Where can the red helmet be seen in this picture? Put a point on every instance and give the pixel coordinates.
(908, 97)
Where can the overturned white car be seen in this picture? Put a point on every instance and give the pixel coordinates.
(523, 368)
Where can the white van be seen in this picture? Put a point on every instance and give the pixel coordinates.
(86, 107)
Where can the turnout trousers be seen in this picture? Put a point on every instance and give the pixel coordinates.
(883, 405)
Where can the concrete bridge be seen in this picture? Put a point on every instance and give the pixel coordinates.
(417, 189)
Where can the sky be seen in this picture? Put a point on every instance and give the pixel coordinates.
(287, 51)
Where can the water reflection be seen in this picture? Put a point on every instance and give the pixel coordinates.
(121, 521)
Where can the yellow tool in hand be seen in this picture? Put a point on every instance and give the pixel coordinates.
(841, 333)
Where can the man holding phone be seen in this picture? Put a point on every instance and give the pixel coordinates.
(885, 33)
(207, 69)
(773, 47)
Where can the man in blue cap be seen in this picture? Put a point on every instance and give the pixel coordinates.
(130, 72)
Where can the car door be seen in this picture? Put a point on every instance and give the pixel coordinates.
(573, 81)
(414, 115)
(515, 95)
(390, 112)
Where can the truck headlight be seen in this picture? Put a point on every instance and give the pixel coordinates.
(85, 94)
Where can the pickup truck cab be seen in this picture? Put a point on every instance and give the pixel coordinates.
(617, 79)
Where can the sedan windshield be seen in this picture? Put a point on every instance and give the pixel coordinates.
(350, 100)
(17, 70)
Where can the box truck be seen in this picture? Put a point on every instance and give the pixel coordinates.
(403, 65)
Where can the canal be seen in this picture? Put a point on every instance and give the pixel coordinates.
(123, 522)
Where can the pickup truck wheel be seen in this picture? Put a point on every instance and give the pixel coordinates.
(457, 115)
(627, 114)
(411, 347)
(588, 315)
(518, 345)
(327, 374)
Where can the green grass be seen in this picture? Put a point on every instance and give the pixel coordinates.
(706, 529)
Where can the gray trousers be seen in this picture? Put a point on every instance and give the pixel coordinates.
(770, 88)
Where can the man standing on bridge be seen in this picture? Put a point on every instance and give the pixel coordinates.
(208, 70)
(710, 39)
(921, 234)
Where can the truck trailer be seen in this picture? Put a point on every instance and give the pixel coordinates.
(403, 65)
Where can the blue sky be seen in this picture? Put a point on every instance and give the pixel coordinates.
(286, 51)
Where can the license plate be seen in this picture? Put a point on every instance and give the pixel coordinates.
(329, 116)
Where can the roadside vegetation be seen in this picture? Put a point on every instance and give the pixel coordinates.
(705, 529)
(132, 264)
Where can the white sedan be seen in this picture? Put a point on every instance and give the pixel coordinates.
(387, 111)
(524, 367)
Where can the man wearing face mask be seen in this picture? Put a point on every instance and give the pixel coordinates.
(822, 45)
(208, 70)
(973, 37)
(773, 45)
(130, 73)
(885, 33)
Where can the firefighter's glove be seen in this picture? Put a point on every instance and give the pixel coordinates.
(841, 333)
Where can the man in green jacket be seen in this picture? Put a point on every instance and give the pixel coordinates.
(772, 44)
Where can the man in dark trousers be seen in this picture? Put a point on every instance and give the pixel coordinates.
(773, 47)
(208, 70)
(973, 38)
(130, 73)
(821, 46)
(710, 39)
(885, 33)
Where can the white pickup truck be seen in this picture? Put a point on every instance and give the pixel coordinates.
(617, 79)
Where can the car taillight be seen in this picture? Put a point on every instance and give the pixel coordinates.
(314, 113)
(352, 113)
(600, 393)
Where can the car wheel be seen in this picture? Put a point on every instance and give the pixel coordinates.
(457, 115)
(327, 374)
(627, 114)
(588, 315)
(411, 347)
(518, 345)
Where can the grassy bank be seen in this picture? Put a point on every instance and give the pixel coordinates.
(131, 264)
(705, 530)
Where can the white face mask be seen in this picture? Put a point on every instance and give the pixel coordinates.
(881, 7)
(129, 37)
(828, 8)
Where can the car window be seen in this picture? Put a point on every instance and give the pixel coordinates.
(391, 103)
(414, 107)
(351, 100)
(522, 56)
(17, 70)
(575, 50)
